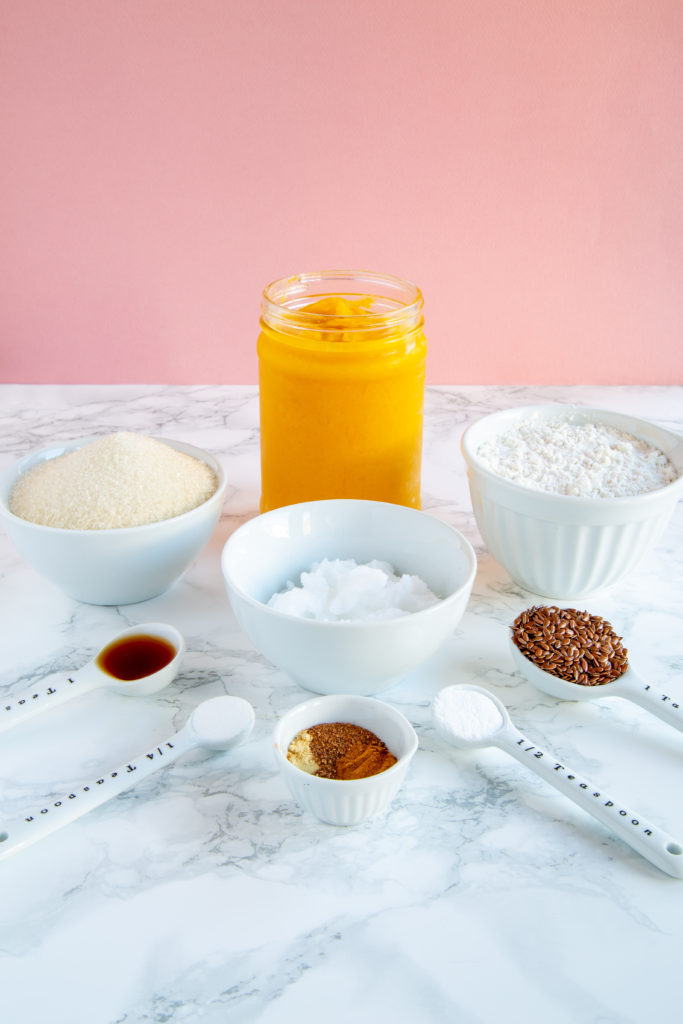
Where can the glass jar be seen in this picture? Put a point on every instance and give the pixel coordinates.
(341, 388)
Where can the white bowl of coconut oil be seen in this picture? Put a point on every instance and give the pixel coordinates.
(349, 641)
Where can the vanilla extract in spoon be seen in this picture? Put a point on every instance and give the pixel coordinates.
(139, 661)
(136, 656)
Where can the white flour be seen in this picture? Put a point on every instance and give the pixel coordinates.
(341, 590)
(466, 714)
(587, 460)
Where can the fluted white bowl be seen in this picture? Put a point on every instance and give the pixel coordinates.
(114, 566)
(337, 801)
(560, 546)
(346, 657)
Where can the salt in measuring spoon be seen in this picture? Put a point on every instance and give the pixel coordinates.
(95, 674)
(628, 685)
(469, 716)
(217, 724)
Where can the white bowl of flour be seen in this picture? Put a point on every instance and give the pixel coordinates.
(569, 498)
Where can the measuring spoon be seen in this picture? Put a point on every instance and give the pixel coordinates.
(466, 716)
(628, 685)
(94, 675)
(217, 724)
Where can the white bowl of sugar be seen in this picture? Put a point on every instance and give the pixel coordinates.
(359, 637)
(569, 498)
(112, 520)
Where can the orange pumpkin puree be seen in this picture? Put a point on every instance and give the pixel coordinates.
(341, 400)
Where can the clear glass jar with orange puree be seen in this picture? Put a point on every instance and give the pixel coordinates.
(341, 388)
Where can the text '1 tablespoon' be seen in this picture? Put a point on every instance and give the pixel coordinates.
(217, 724)
(628, 685)
(469, 717)
(155, 648)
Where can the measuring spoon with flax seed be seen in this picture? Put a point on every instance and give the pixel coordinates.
(573, 655)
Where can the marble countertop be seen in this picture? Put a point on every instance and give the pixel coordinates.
(205, 894)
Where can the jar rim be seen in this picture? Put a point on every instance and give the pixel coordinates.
(406, 297)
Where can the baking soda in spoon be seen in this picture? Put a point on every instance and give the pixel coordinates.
(217, 724)
(469, 716)
(466, 716)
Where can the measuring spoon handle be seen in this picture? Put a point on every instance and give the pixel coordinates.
(23, 706)
(633, 688)
(646, 839)
(47, 817)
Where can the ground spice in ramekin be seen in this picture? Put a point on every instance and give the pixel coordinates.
(570, 644)
(339, 750)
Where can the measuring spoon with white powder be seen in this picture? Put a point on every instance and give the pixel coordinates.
(628, 685)
(469, 716)
(139, 661)
(217, 724)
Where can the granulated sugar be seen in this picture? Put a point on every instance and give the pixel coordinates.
(123, 479)
(587, 460)
(341, 590)
(466, 715)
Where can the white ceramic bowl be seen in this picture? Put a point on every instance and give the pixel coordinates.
(559, 546)
(335, 801)
(117, 566)
(346, 657)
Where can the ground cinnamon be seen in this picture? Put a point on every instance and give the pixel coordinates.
(340, 750)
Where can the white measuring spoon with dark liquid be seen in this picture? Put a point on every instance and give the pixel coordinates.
(628, 685)
(139, 661)
(469, 717)
(217, 724)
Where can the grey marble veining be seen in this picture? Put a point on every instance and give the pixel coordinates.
(204, 894)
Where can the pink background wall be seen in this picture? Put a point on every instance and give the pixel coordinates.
(162, 160)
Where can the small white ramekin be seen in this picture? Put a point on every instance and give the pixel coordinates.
(559, 546)
(339, 802)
